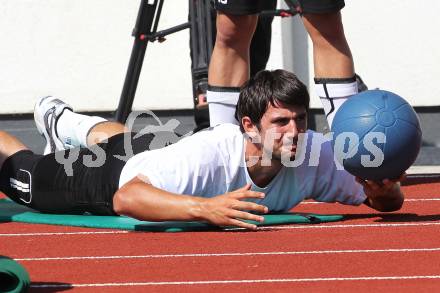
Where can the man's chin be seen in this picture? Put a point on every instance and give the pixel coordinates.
(284, 156)
(289, 153)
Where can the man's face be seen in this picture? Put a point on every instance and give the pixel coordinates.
(279, 130)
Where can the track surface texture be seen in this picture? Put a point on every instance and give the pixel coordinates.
(367, 252)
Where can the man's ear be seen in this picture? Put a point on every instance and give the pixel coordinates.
(249, 127)
(250, 130)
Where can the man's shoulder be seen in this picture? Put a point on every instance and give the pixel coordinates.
(221, 132)
(226, 140)
(226, 128)
(213, 139)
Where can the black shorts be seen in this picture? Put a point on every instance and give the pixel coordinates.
(86, 184)
(247, 7)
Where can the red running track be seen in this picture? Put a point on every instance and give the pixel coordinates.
(368, 252)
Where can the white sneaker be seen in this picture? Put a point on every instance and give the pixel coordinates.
(47, 111)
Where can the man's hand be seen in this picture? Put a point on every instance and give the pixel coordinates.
(384, 196)
(229, 209)
(143, 201)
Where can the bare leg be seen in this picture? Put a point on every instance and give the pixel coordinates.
(229, 67)
(230, 59)
(103, 131)
(9, 145)
(331, 53)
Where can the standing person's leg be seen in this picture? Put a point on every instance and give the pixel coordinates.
(260, 45)
(229, 66)
(258, 54)
(333, 63)
(331, 53)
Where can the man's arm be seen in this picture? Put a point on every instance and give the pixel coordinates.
(143, 201)
(384, 197)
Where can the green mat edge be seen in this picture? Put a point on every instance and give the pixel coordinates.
(14, 212)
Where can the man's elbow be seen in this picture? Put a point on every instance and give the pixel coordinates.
(121, 202)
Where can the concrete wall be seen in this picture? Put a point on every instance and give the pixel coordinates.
(80, 50)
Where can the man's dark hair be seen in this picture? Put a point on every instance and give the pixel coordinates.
(277, 87)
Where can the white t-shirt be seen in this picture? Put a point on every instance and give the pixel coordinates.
(212, 162)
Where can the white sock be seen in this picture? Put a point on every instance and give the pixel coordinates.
(222, 102)
(333, 93)
(73, 128)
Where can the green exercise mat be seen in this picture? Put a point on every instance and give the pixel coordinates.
(13, 277)
(12, 212)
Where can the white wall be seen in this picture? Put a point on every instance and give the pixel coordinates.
(397, 47)
(80, 50)
(395, 44)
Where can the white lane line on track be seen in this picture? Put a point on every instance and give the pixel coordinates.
(212, 282)
(316, 226)
(406, 200)
(421, 199)
(291, 227)
(272, 253)
(64, 233)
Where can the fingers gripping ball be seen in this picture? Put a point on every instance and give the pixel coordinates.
(376, 135)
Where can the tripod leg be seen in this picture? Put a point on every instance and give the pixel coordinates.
(201, 44)
(144, 24)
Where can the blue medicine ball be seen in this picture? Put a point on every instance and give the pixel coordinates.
(376, 135)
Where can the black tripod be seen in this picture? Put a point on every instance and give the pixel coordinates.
(200, 26)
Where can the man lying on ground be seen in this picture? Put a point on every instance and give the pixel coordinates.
(223, 175)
